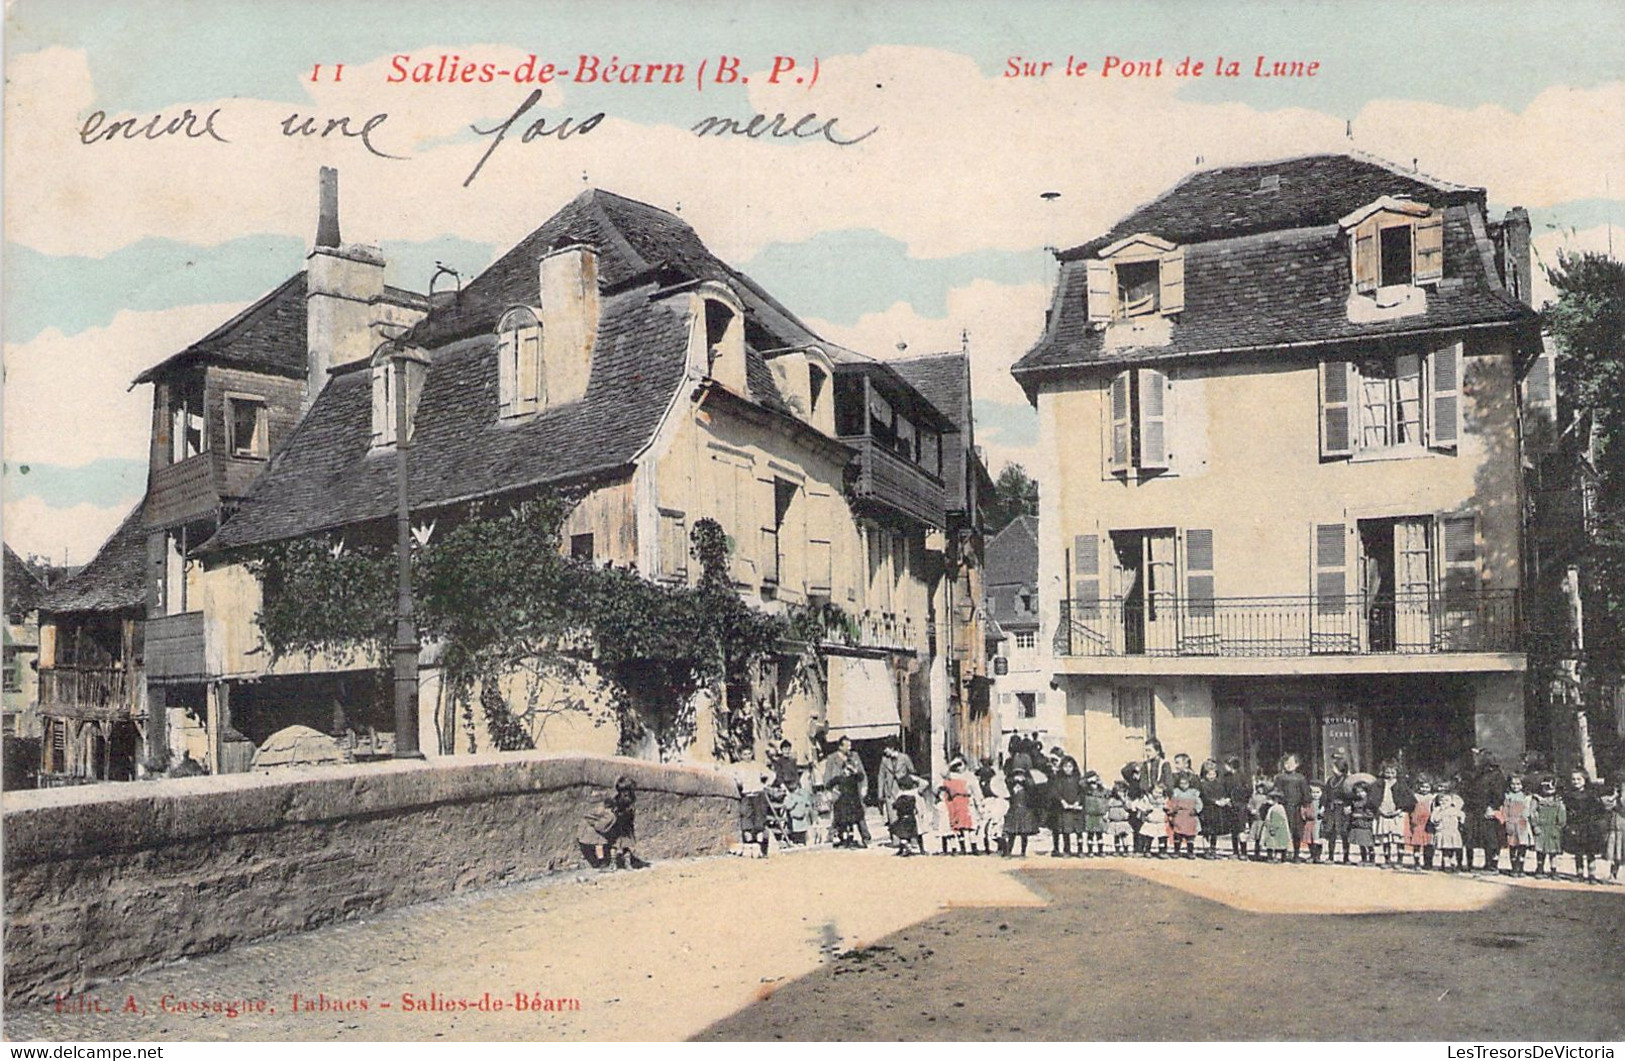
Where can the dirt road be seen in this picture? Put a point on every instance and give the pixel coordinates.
(864, 945)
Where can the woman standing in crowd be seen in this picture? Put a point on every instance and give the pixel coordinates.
(1294, 796)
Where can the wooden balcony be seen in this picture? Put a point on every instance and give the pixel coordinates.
(182, 491)
(175, 646)
(891, 482)
(88, 692)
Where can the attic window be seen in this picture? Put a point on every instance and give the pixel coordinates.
(1138, 276)
(521, 376)
(717, 319)
(386, 375)
(1395, 243)
(1138, 285)
(1270, 182)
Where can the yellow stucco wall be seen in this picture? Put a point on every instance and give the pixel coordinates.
(1246, 446)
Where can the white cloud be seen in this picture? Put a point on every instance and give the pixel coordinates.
(67, 397)
(1003, 321)
(33, 527)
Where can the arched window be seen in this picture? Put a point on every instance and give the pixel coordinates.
(387, 362)
(521, 375)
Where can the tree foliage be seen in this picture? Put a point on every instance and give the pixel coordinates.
(496, 593)
(1588, 323)
(1015, 493)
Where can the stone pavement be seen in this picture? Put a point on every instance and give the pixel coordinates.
(667, 952)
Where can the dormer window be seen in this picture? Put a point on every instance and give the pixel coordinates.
(1394, 243)
(1139, 276)
(718, 318)
(387, 364)
(717, 334)
(521, 379)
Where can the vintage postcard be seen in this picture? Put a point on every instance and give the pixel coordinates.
(765, 521)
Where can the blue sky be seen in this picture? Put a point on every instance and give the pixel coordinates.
(933, 228)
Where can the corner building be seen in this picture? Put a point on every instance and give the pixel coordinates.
(1281, 410)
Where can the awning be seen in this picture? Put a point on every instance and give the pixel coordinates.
(862, 698)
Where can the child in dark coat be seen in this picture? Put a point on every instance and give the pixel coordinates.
(905, 827)
(1021, 819)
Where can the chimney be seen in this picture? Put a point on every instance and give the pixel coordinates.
(568, 287)
(327, 223)
(343, 286)
(1517, 270)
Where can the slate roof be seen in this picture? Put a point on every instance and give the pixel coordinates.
(115, 578)
(635, 242)
(1011, 566)
(944, 381)
(22, 588)
(1283, 287)
(1309, 191)
(328, 475)
(269, 336)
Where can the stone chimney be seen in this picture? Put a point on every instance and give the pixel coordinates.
(1517, 265)
(342, 284)
(568, 286)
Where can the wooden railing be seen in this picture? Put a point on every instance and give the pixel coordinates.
(93, 687)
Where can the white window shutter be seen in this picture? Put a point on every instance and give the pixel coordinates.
(527, 369)
(1336, 408)
(1121, 435)
(507, 365)
(1428, 246)
(1153, 419)
(1172, 276)
(380, 404)
(1102, 291)
(531, 369)
(1086, 578)
(1444, 397)
(1365, 255)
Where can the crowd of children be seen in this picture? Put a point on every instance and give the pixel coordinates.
(1164, 808)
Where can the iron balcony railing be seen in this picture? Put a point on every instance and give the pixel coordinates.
(1402, 624)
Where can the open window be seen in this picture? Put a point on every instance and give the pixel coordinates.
(187, 436)
(521, 382)
(1391, 403)
(1395, 243)
(1139, 402)
(1138, 276)
(247, 426)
